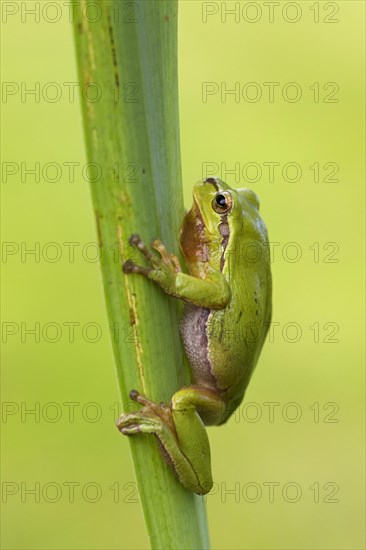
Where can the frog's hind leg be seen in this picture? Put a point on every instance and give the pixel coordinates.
(207, 402)
(180, 431)
(192, 408)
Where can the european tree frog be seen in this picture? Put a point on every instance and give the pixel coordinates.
(227, 314)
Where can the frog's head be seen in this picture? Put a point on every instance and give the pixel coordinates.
(218, 213)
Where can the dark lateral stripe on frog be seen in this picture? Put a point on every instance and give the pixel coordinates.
(214, 182)
(225, 233)
(223, 227)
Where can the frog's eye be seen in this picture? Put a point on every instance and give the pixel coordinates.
(222, 202)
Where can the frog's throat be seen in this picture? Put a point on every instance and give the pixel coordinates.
(193, 241)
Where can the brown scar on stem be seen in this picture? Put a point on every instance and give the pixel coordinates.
(113, 48)
(132, 317)
(131, 298)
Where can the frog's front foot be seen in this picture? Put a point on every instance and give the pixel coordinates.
(163, 270)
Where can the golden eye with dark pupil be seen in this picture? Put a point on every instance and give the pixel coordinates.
(222, 203)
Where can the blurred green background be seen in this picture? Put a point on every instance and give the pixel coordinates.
(289, 466)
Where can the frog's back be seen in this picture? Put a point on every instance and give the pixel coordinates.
(243, 330)
(248, 315)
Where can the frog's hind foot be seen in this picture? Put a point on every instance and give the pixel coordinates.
(140, 422)
(148, 419)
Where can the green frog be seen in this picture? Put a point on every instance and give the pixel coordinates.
(227, 295)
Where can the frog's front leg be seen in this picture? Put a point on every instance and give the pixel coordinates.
(180, 431)
(211, 292)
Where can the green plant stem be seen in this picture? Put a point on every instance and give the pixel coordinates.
(127, 62)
